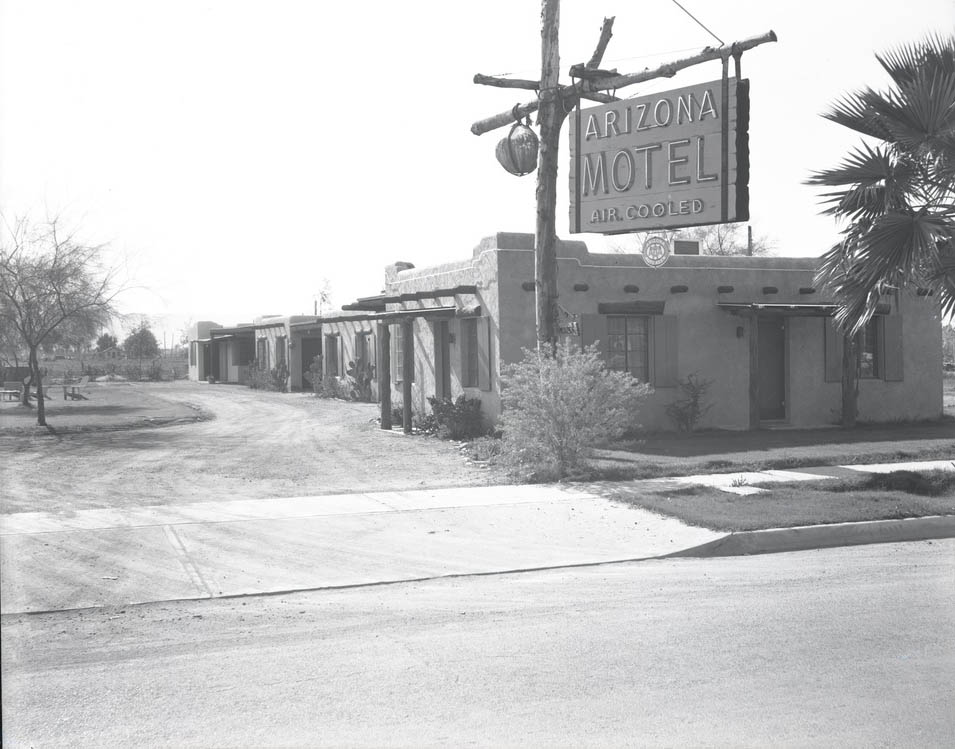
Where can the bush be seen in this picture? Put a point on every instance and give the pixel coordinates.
(315, 374)
(274, 379)
(420, 422)
(687, 411)
(459, 419)
(556, 408)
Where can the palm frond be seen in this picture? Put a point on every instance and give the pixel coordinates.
(934, 52)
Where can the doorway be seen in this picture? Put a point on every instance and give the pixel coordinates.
(771, 368)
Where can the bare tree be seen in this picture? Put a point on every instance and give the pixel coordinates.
(728, 239)
(714, 239)
(50, 284)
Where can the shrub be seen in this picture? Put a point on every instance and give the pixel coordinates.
(484, 449)
(315, 374)
(687, 411)
(458, 419)
(274, 379)
(360, 378)
(556, 408)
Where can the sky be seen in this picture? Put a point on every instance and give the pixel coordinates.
(237, 155)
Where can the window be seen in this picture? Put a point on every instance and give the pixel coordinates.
(628, 346)
(331, 355)
(469, 350)
(398, 363)
(262, 353)
(868, 347)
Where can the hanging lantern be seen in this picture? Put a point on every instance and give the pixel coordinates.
(518, 151)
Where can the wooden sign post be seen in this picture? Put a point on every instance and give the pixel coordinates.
(554, 101)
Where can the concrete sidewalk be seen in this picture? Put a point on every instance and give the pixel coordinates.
(210, 549)
(99, 557)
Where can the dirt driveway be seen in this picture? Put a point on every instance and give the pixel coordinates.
(258, 445)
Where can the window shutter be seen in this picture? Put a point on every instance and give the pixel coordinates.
(593, 330)
(485, 375)
(892, 348)
(834, 349)
(665, 372)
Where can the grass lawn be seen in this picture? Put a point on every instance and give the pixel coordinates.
(902, 494)
(670, 454)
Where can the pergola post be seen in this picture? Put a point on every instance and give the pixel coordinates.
(384, 374)
(407, 370)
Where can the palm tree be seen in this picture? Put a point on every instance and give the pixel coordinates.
(897, 195)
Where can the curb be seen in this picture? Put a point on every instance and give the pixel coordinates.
(806, 537)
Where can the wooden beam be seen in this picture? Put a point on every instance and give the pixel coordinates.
(589, 88)
(490, 80)
(384, 374)
(551, 118)
(600, 98)
(753, 370)
(407, 371)
(670, 69)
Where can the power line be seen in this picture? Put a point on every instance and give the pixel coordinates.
(722, 43)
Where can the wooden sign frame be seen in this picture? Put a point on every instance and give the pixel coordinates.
(670, 160)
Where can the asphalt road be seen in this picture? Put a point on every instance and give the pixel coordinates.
(839, 647)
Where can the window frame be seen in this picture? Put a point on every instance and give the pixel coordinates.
(647, 332)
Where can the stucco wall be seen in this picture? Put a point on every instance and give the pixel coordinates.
(481, 271)
(711, 342)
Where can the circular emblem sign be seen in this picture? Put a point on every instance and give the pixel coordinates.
(656, 251)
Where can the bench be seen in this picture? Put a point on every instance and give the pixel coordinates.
(12, 391)
(72, 392)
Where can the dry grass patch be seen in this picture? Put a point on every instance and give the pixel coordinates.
(900, 494)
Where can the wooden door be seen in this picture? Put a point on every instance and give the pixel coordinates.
(772, 368)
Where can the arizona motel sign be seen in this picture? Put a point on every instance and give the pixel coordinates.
(670, 160)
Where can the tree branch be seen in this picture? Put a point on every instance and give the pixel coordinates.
(606, 31)
(588, 88)
(490, 80)
(668, 70)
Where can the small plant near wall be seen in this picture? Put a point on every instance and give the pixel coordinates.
(361, 376)
(315, 374)
(274, 380)
(687, 411)
(557, 408)
(458, 419)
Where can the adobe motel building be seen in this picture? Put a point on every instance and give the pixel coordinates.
(754, 326)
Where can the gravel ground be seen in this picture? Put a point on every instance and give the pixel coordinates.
(256, 445)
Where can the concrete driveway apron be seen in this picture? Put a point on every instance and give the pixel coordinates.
(98, 557)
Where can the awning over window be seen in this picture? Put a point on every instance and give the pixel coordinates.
(782, 309)
(779, 309)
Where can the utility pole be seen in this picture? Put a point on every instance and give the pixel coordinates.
(554, 101)
(550, 118)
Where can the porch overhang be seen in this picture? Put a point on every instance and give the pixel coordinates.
(777, 309)
(426, 313)
(782, 309)
(377, 303)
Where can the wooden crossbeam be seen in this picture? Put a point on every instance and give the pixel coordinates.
(590, 88)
